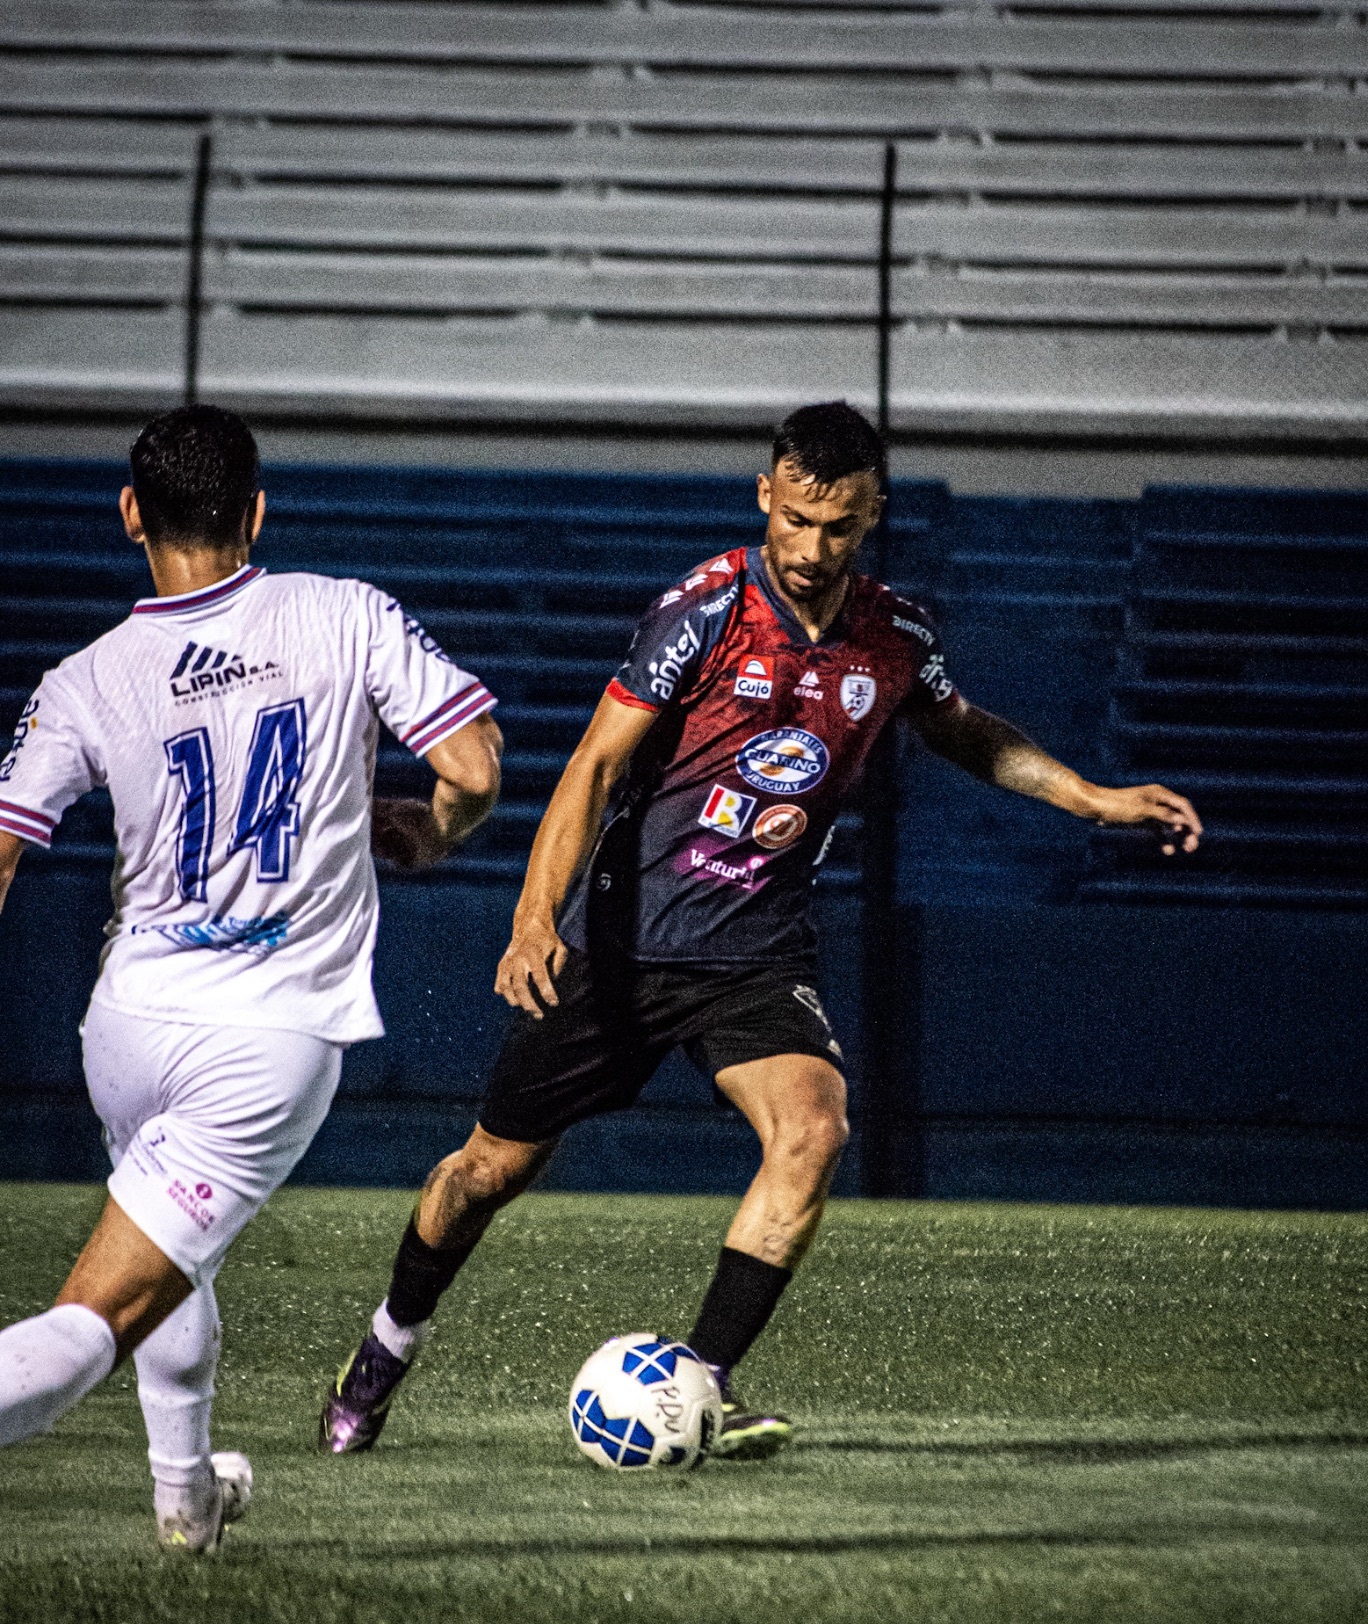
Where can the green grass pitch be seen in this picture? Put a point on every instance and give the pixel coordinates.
(1008, 1413)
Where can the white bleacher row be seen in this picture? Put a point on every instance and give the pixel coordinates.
(1111, 217)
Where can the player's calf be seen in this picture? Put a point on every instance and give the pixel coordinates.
(462, 1196)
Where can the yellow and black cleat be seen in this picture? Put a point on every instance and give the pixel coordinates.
(750, 1434)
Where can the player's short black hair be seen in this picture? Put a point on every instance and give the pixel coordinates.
(830, 441)
(195, 471)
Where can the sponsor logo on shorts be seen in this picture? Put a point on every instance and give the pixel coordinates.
(726, 810)
(808, 686)
(858, 693)
(204, 1191)
(786, 759)
(807, 996)
(779, 826)
(755, 678)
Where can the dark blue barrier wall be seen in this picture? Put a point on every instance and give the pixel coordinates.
(1053, 1048)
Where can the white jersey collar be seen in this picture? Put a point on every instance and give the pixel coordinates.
(203, 598)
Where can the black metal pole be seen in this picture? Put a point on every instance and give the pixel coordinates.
(884, 1151)
(194, 271)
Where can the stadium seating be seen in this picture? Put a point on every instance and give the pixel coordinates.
(1110, 218)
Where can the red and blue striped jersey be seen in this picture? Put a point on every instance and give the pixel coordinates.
(711, 844)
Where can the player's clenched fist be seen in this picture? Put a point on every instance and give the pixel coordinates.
(531, 962)
(1152, 803)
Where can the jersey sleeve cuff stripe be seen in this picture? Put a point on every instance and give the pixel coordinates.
(625, 696)
(25, 830)
(474, 702)
(40, 818)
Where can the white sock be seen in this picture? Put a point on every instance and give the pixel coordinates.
(176, 1367)
(47, 1364)
(403, 1341)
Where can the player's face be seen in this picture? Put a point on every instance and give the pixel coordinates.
(814, 530)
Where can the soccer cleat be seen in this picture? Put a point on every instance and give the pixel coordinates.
(749, 1434)
(357, 1407)
(234, 1474)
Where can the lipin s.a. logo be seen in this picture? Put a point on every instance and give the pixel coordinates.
(203, 670)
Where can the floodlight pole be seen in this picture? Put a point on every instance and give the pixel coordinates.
(194, 270)
(885, 1118)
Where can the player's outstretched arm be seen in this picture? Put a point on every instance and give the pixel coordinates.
(11, 850)
(563, 845)
(1001, 754)
(416, 834)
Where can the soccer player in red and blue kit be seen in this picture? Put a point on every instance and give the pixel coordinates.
(666, 901)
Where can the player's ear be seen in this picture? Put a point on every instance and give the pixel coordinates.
(132, 519)
(763, 492)
(255, 514)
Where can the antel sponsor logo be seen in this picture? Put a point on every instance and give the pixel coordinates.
(726, 810)
(779, 826)
(786, 759)
(755, 677)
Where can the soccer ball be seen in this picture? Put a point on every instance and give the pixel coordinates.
(642, 1400)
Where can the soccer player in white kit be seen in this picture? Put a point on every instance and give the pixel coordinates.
(234, 719)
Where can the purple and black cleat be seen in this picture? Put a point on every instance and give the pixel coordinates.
(358, 1403)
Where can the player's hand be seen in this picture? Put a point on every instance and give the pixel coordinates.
(1176, 818)
(531, 962)
(403, 832)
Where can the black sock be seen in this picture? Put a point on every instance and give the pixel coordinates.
(743, 1294)
(421, 1274)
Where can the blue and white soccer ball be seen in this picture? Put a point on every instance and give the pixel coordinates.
(642, 1400)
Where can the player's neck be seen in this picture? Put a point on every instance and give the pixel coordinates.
(816, 614)
(178, 570)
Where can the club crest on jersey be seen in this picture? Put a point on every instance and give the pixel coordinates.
(755, 677)
(858, 693)
(726, 810)
(779, 826)
(786, 759)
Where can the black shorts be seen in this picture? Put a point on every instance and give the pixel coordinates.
(616, 1021)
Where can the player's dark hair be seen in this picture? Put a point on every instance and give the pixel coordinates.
(195, 472)
(830, 441)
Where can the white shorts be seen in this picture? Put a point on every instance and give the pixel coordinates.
(202, 1123)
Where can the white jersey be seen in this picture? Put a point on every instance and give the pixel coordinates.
(235, 729)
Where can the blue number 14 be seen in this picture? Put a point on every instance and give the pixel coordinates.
(268, 816)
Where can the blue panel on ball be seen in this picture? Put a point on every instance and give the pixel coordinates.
(651, 1362)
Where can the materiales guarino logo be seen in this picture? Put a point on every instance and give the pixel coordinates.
(201, 669)
(786, 758)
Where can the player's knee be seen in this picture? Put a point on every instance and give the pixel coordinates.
(812, 1141)
(492, 1179)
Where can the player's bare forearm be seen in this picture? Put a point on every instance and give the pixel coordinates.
(565, 840)
(11, 850)
(998, 753)
(415, 834)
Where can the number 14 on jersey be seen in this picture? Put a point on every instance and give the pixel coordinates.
(268, 813)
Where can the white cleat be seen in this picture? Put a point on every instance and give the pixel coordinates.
(199, 1531)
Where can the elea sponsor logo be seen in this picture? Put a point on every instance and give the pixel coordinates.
(201, 668)
(924, 633)
(858, 692)
(726, 810)
(669, 667)
(786, 758)
(755, 678)
(779, 826)
(808, 686)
